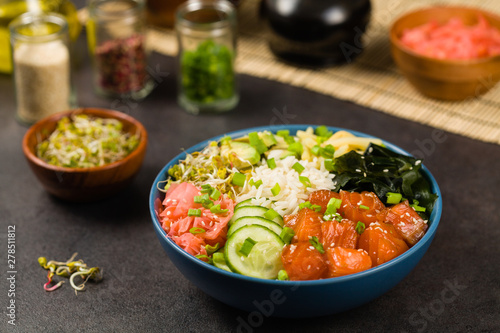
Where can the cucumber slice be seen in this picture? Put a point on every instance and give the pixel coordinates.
(220, 261)
(247, 202)
(247, 220)
(253, 211)
(264, 259)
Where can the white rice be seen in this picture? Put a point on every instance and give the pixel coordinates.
(292, 192)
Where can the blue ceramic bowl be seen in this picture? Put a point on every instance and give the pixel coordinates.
(293, 298)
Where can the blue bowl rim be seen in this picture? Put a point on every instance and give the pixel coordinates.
(433, 219)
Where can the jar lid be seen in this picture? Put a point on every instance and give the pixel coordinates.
(206, 15)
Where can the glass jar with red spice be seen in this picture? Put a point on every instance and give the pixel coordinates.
(116, 40)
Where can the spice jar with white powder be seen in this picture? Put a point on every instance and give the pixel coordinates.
(42, 72)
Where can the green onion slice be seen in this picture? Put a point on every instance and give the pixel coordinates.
(194, 212)
(298, 167)
(364, 207)
(211, 249)
(287, 234)
(283, 133)
(304, 180)
(247, 246)
(271, 214)
(315, 150)
(276, 189)
(393, 198)
(206, 188)
(215, 194)
(196, 230)
(360, 227)
(217, 210)
(271, 163)
(329, 166)
(239, 179)
(282, 275)
(317, 245)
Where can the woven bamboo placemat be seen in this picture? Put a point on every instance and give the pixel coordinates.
(371, 80)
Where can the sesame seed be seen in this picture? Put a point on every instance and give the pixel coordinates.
(386, 170)
(308, 267)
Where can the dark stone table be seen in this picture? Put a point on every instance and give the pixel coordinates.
(455, 288)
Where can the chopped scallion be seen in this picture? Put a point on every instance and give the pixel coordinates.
(283, 133)
(203, 256)
(364, 207)
(211, 249)
(327, 151)
(282, 275)
(217, 210)
(296, 147)
(215, 194)
(247, 246)
(329, 166)
(271, 214)
(393, 198)
(317, 245)
(196, 230)
(360, 227)
(287, 234)
(194, 212)
(315, 150)
(323, 131)
(276, 189)
(271, 163)
(298, 167)
(239, 179)
(305, 181)
(206, 188)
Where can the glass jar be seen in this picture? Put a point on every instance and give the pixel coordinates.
(206, 33)
(10, 9)
(42, 70)
(117, 44)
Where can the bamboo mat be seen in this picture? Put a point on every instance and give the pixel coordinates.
(372, 80)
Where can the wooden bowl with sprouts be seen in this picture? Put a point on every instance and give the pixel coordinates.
(85, 154)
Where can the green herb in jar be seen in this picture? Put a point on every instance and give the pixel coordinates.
(207, 73)
(83, 142)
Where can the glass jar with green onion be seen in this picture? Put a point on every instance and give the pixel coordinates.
(206, 33)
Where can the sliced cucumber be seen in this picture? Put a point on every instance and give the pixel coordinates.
(247, 220)
(247, 202)
(264, 259)
(253, 211)
(220, 261)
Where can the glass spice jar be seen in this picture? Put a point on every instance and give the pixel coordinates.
(116, 40)
(41, 61)
(206, 33)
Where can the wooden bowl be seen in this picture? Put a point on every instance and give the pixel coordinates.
(84, 184)
(444, 79)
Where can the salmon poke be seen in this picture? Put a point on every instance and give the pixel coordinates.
(310, 205)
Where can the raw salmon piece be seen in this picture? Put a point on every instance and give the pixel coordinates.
(322, 197)
(341, 261)
(303, 262)
(306, 224)
(407, 222)
(353, 204)
(339, 234)
(382, 242)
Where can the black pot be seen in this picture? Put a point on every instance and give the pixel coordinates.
(316, 32)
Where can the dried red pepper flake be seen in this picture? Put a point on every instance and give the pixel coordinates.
(121, 64)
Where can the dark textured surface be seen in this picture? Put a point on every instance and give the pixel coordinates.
(142, 290)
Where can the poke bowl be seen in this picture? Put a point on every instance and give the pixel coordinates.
(284, 296)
